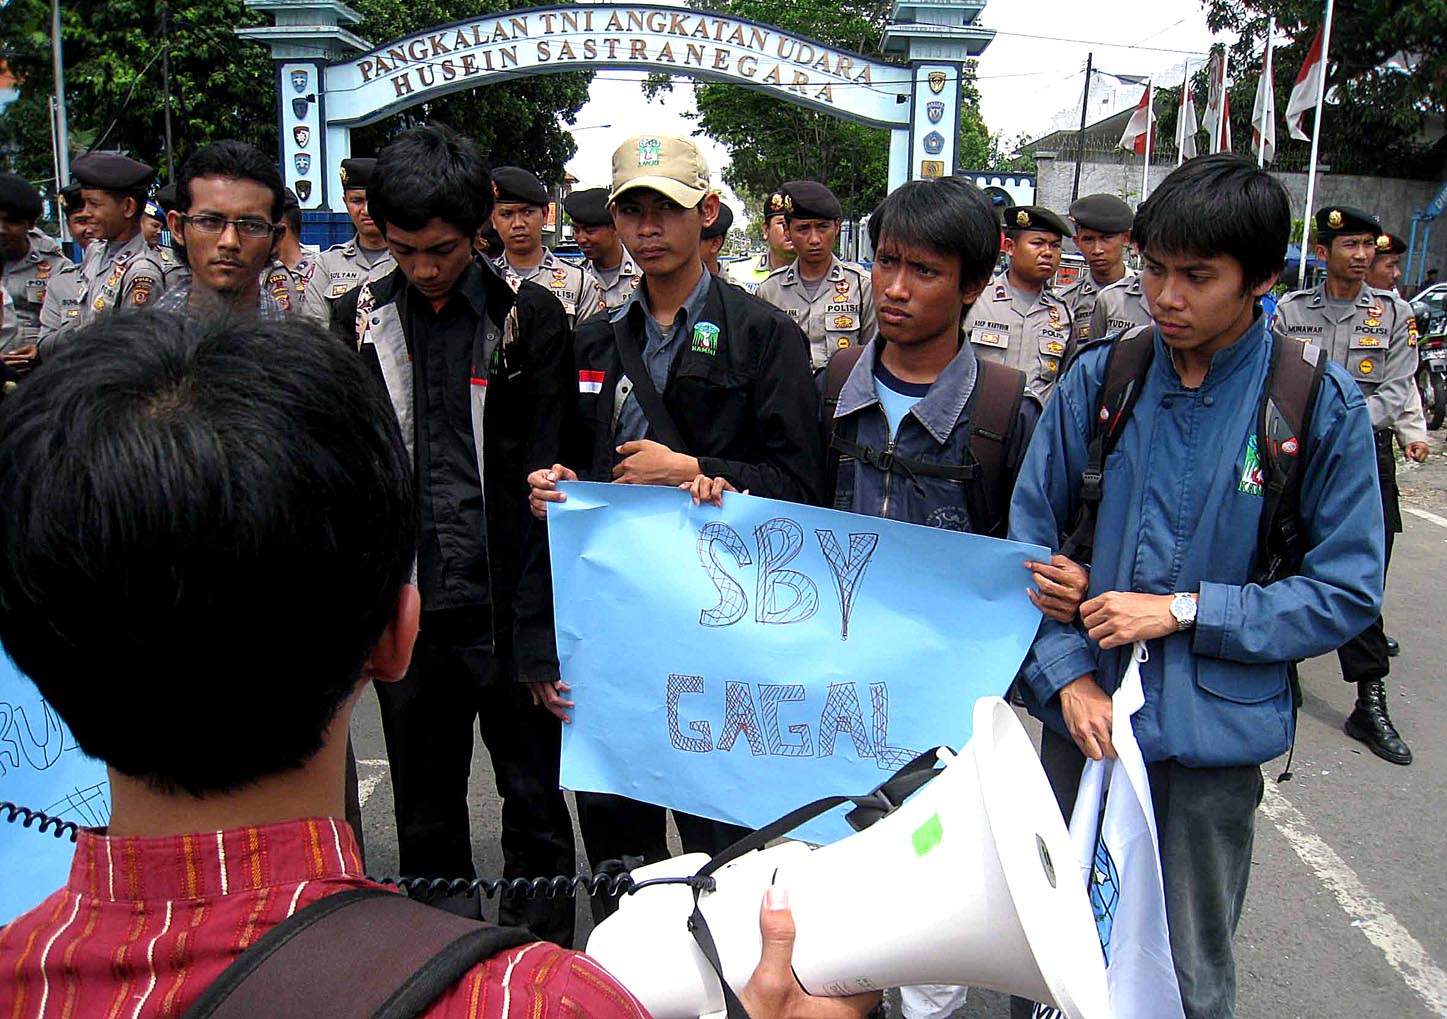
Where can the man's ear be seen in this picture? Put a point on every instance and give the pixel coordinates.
(972, 292)
(392, 653)
(175, 224)
(708, 210)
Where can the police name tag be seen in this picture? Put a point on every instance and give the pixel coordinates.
(991, 339)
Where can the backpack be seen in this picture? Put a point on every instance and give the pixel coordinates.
(363, 952)
(1293, 383)
(991, 412)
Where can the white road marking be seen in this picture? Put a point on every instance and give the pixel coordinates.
(1425, 515)
(375, 773)
(1403, 952)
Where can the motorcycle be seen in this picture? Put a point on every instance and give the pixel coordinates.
(1431, 363)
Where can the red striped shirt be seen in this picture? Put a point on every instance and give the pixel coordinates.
(145, 924)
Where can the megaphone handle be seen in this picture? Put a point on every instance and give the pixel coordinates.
(698, 927)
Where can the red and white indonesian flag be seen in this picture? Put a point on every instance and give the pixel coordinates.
(590, 381)
(1304, 92)
(1263, 113)
(1187, 124)
(1218, 104)
(1141, 123)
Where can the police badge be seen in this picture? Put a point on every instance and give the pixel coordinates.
(303, 190)
(301, 135)
(935, 112)
(303, 162)
(937, 81)
(299, 80)
(298, 106)
(934, 143)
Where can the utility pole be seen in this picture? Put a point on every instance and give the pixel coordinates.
(62, 122)
(1080, 135)
(166, 88)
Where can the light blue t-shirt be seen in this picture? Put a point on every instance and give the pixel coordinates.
(896, 396)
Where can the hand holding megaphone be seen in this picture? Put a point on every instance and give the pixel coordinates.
(773, 992)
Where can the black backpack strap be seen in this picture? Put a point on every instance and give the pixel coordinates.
(991, 411)
(836, 374)
(1292, 386)
(664, 428)
(1125, 374)
(363, 952)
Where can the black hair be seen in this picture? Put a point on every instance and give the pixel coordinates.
(946, 214)
(1216, 205)
(291, 216)
(236, 160)
(430, 173)
(204, 529)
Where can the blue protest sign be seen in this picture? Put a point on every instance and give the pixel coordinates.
(740, 662)
(40, 768)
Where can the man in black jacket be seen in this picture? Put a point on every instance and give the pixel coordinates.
(691, 377)
(478, 376)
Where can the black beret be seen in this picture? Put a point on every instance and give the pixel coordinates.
(70, 199)
(1033, 217)
(1335, 220)
(108, 171)
(811, 200)
(514, 184)
(777, 203)
(1105, 213)
(289, 200)
(18, 197)
(1391, 244)
(357, 173)
(166, 197)
(720, 226)
(589, 208)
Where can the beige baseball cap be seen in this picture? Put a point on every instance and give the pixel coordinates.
(670, 166)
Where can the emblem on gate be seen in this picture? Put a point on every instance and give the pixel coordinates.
(301, 135)
(934, 143)
(303, 162)
(299, 80)
(936, 82)
(303, 189)
(932, 168)
(935, 112)
(298, 106)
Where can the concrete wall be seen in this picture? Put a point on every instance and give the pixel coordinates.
(1394, 201)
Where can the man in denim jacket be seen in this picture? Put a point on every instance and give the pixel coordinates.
(1175, 545)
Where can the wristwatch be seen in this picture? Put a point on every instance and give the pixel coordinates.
(1183, 608)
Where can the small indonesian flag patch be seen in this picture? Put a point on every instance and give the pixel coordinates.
(590, 382)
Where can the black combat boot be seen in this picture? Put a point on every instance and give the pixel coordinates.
(1370, 724)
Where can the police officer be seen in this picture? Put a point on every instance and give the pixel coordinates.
(518, 216)
(119, 268)
(613, 269)
(778, 251)
(832, 301)
(294, 268)
(1019, 320)
(174, 270)
(365, 257)
(1102, 231)
(1119, 307)
(1373, 335)
(1386, 267)
(712, 238)
(66, 292)
(28, 260)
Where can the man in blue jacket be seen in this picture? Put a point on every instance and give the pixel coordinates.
(1175, 545)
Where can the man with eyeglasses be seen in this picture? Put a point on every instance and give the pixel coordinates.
(228, 200)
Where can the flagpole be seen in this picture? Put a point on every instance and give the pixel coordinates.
(1222, 145)
(1316, 139)
(1270, 84)
(1180, 119)
(1150, 133)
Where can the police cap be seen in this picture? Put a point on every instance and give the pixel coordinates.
(589, 208)
(777, 203)
(70, 198)
(514, 184)
(1033, 217)
(18, 197)
(1391, 244)
(719, 227)
(357, 173)
(166, 197)
(1337, 220)
(154, 210)
(811, 200)
(110, 171)
(1104, 213)
(289, 201)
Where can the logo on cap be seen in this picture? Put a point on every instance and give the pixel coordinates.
(302, 136)
(303, 162)
(1022, 218)
(649, 152)
(1334, 219)
(299, 80)
(936, 82)
(1383, 242)
(303, 189)
(298, 106)
(776, 202)
(934, 143)
(935, 112)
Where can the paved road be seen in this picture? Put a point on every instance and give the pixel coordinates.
(1345, 916)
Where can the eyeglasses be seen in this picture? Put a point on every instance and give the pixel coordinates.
(254, 229)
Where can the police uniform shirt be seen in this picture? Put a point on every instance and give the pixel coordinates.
(1033, 342)
(63, 299)
(343, 267)
(116, 275)
(839, 315)
(1375, 339)
(308, 297)
(577, 291)
(9, 330)
(626, 278)
(25, 281)
(1080, 298)
(174, 270)
(1118, 307)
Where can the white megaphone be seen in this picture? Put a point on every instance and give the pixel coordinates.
(972, 882)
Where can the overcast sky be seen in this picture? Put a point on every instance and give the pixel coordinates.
(1024, 82)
